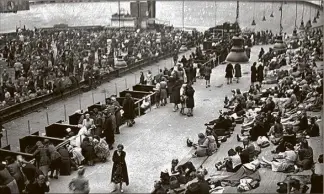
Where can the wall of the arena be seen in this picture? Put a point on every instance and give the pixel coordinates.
(123, 23)
(13, 5)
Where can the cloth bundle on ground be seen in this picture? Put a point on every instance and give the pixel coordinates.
(246, 178)
(263, 142)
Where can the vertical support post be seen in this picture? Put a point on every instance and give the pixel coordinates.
(125, 83)
(65, 113)
(29, 127)
(7, 137)
(139, 109)
(47, 118)
(135, 79)
(116, 88)
(80, 102)
(150, 103)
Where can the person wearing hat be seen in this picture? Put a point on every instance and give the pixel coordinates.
(80, 184)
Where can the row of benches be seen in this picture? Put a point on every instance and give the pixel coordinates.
(56, 132)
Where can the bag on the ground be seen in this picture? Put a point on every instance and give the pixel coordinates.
(174, 183)
(189, 143)
(222, 138)
(193, 188)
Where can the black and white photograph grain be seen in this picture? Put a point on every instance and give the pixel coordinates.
(161, 96)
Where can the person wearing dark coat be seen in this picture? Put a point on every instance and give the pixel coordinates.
(142, 79)
(88, 151)
(260, 73)
(238, 72)
(261, 53)
(40, 186)
(108, 130)
(253, 73)
(170, 83)
(229, 73)
(175, 95)
(128, 107)
(190, 99)
(65, 161)
(119, 173)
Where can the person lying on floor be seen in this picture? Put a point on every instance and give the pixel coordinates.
(255, 132)
(206, 146)
(223, 122)
(184, 172)
(232, 163)
(305, 156)
(284, 161)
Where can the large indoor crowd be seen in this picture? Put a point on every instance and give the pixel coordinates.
(274, 115)
(49, 60)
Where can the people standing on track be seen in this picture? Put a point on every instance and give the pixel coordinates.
(142, 78)
(163, 91)
(207, 72)
(175, 95)
(119, 173)
(117, 113)
(253, 73)
(183, 98)
(108, 131)
(128, 107)
(190, 99)
(260, 73)
(149, 78)
(229, 73)
(80, 184)
(238, 72)
(175, 57)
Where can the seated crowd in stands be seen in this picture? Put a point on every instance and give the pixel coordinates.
(47, 61)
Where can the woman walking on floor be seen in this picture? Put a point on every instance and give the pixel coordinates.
(229, 73)
(190, 99)
(207, 72)
(253, 73)
(238, 72)
(119, 173)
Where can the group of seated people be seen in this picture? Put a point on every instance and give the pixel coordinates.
(277, 115)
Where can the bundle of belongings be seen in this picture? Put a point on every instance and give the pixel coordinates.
(246, 178)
